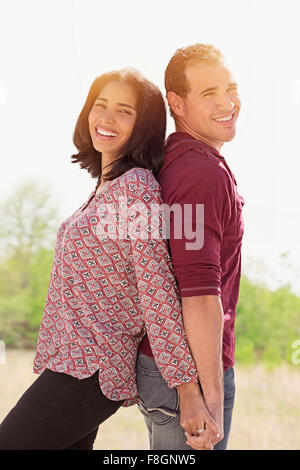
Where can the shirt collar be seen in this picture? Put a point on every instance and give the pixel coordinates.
(184, 135)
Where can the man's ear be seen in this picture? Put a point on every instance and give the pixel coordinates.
(175, 103)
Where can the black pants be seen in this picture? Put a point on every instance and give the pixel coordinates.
(58, 412)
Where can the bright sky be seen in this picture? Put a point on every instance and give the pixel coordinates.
(52, 51)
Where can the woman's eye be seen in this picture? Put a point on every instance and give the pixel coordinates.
(99, 105)
(125, 111)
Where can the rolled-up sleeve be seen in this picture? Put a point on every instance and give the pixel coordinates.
(197, 261)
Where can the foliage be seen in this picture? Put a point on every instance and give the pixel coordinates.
(26, 245)
(267, 323)
(28, 221)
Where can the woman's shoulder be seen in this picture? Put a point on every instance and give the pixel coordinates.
(139, 178)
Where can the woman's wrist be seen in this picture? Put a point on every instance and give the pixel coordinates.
(189, 388)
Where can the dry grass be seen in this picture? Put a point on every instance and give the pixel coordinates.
(267, 409)
(266, 413)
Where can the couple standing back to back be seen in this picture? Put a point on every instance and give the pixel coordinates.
(106, 291)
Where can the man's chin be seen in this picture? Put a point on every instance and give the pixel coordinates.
(228, 136)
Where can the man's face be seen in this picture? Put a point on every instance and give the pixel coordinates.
(211, 107)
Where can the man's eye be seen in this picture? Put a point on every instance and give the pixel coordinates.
(208, 94)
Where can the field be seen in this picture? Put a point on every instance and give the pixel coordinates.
(266, 413)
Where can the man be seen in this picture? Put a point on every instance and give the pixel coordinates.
(204, 102)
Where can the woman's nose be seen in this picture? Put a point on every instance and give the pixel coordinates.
(107, 116)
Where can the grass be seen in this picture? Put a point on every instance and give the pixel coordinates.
(266, 413)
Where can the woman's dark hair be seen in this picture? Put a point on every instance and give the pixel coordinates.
(145, 146)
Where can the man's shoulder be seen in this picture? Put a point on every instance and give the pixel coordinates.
(194, 164)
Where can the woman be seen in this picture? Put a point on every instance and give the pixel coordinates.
(110, 282)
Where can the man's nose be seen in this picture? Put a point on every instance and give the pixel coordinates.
(225, 102)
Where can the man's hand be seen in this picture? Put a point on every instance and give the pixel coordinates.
(194, 416)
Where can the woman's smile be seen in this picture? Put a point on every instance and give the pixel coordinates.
(105, 134)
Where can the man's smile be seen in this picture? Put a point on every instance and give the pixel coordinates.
(226, 120)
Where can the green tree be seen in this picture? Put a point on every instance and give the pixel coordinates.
(27, 236)
(267, 323)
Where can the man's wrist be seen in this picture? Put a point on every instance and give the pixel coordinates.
(214, 397)
(213, 386)
(212, 393)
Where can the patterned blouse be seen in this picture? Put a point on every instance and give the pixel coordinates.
(108, 287)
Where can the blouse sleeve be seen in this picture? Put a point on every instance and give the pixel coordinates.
(157, 287)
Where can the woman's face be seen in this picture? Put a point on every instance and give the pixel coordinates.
(112, 118)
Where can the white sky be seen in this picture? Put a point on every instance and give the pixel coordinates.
(51, 51)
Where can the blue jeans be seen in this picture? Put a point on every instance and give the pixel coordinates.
(159, 405)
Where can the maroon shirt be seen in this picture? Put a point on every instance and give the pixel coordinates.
(195, 173)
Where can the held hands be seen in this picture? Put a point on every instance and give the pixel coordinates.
(202, 422)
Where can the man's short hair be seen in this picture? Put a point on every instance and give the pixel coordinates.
(175, 78)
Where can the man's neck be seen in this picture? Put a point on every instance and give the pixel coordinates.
(215, 145)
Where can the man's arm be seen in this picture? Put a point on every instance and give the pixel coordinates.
(199, 272)
(203, 322)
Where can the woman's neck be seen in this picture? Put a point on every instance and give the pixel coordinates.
(105, 161)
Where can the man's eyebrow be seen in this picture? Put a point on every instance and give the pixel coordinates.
(208, 89)
(231, 85)
(119, 104)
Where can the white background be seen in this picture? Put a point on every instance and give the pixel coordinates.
(51, 51)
